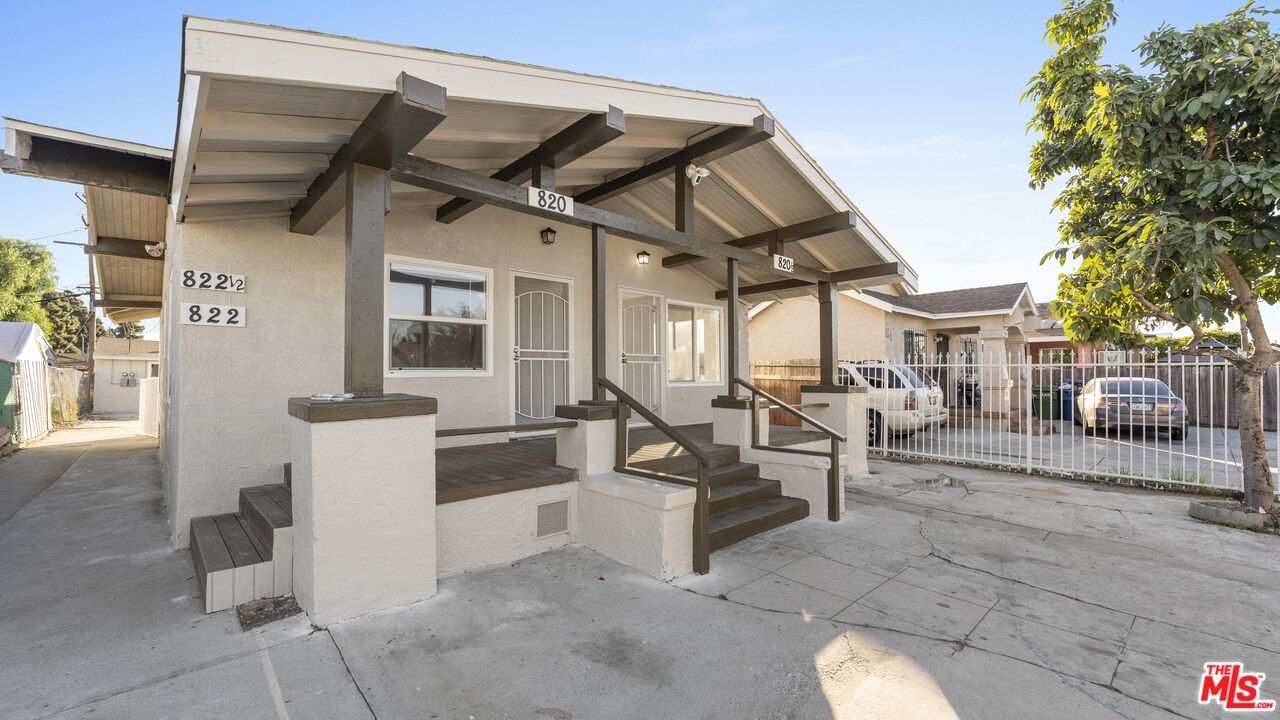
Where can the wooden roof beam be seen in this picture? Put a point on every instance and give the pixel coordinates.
(82, 164)
(423, 173)
(703, 151)
(108, 301)
(397, 123)
(799, 231)
(588, 133)
(884, 272)
(121, 247)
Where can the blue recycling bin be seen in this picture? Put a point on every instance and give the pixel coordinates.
(1069, 392)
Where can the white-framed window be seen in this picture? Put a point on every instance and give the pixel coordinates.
(439, 318)
(694, 334)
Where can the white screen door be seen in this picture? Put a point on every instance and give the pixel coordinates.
(541, 356)
(641, 347)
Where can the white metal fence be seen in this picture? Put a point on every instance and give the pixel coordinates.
(1167, 420)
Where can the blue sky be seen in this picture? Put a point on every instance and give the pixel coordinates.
(913, 108)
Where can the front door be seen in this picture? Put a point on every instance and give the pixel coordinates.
(542, 347)
(640, 345)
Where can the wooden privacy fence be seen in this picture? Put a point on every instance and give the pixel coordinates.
(783, 380)
(1206, 387)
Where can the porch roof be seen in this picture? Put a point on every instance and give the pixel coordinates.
(125, 186)
(252, 136)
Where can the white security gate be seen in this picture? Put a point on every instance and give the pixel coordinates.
(541, 356)
(1157, 420)
(640, 342)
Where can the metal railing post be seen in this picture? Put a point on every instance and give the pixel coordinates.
(701, 521)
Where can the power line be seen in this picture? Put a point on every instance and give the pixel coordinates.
(46, 237)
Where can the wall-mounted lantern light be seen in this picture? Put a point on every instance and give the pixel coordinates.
(548, 236)
(642, 257)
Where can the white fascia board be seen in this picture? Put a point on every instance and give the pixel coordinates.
(759, 308)
(195, 95)
(1042, 339)
(234, 50)
(827, 188)
(18, 134)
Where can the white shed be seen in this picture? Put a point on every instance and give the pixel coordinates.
(24, 381)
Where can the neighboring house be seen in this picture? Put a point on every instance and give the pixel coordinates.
(120, 366)
(24, 382)
(983, 325)
(344, 215)
(1049, 343)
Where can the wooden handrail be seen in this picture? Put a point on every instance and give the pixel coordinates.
(834, 484)
(701, 487)
(784, 406)
(680, 438)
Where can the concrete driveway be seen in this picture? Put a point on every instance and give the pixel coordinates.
(1207, 456)
(943, 593)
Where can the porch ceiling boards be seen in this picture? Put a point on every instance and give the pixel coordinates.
(253, 135)
(132, 216)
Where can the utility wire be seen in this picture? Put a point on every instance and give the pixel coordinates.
(46, 237)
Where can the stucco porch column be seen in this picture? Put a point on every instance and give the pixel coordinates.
(993, 370)
(364, 504)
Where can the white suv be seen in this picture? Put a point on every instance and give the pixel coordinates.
(899, 401)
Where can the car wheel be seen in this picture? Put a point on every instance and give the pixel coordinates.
(1088, 429)
(875, 429)
(1177, 434)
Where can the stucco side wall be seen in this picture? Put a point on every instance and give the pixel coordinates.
(473, 534)
(109, 394)
(227, 388)
(788, 330)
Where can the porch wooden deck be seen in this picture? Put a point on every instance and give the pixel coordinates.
(474, 471)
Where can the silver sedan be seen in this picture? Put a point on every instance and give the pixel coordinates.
(1130, 402)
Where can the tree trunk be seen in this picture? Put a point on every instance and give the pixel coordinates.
(1259, 487)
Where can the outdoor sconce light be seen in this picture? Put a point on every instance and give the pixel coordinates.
(548, 236)
(642, 257)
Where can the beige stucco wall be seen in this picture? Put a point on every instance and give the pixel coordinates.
(109, 394)
(226, 389)
(788, 330)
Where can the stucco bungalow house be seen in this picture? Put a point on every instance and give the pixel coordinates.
(423, 312)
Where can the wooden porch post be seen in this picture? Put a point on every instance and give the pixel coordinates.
(828, 332)
(731, 310)
(598, 260)
(364, 319)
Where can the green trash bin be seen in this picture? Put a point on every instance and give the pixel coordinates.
(1046, 402)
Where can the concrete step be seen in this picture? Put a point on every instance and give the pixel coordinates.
(743, 494)
(738, 525)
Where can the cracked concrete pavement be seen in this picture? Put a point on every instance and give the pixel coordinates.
(943, 592)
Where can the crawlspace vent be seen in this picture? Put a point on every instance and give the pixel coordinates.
(553, 518)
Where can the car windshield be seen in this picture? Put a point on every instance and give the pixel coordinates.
(1135, 386)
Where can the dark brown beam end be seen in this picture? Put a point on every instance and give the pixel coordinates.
(585, 135)
(702, 151)
(834, 222)
(109, 302)
(121, 247)
(397, 123)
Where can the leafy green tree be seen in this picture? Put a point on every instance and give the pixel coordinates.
(26, 274)
(1170, 181)
(127, 330)
(69, 318)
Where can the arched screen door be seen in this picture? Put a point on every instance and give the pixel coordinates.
(640, 342)
(541, 356)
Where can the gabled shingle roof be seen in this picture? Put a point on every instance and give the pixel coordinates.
(994, 298)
